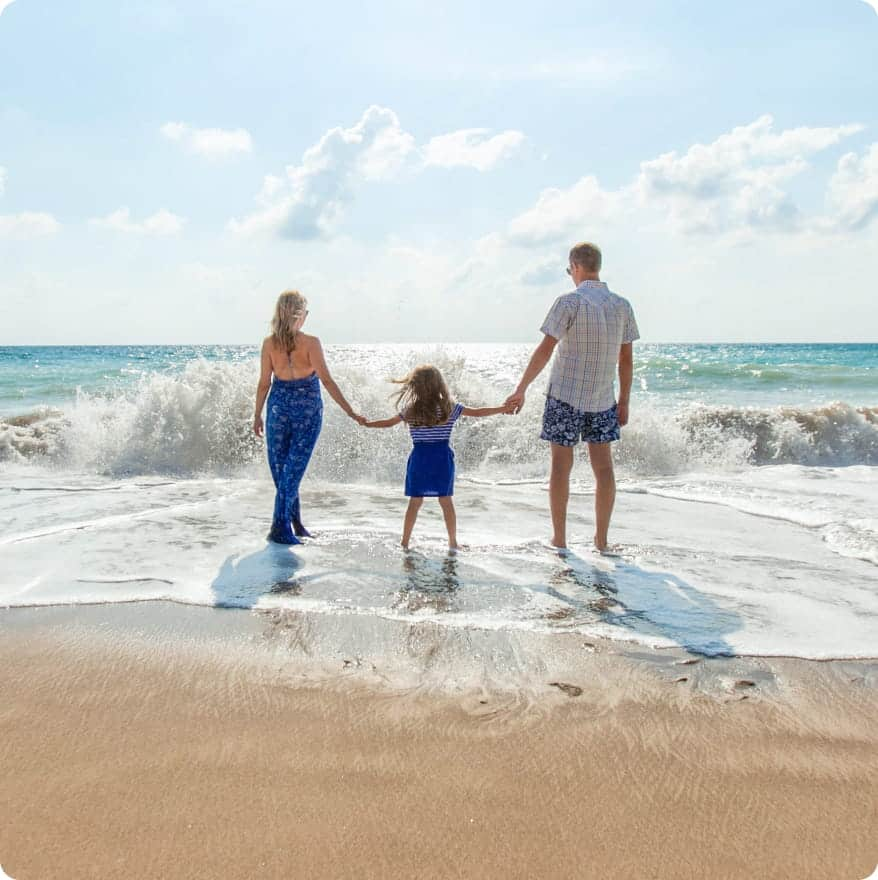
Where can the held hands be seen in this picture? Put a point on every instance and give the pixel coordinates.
(360, 420)
(514, 402)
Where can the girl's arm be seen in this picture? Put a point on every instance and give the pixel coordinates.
(262, 388)
(384, 423)
(478, 412)
(318, 361)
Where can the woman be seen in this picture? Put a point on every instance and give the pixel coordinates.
(295, 409)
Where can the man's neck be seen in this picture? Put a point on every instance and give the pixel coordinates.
(590, 277)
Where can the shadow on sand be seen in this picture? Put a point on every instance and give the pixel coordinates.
(652, 604)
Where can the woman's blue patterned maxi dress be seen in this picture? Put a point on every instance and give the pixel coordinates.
(292, 425)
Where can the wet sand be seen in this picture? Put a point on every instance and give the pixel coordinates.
(129, 751)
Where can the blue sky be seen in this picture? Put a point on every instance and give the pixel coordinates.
(419, 170)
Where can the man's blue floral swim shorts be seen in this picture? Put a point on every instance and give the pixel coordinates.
(565, 426)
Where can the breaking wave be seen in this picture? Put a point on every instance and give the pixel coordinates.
(198, 421)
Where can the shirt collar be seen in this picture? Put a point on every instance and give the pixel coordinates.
(590, 283)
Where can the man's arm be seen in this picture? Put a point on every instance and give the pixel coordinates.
(626, 376)
(538, 360)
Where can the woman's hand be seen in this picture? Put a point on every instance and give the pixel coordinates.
(360, 420)
(258, 427)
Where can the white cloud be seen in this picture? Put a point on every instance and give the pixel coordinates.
(471, 147)
(734, 186)
(4, 4)
(214, 143)
(549, 270)
(873, 4)
(735, 180)
(582, 207)
(853, 190)
(28, 224)
(161, 223)
(308, 199)
(306, 202)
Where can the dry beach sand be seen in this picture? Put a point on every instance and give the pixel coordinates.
(156, 740)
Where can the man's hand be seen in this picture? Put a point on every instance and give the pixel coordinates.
(622, 413)
(515, 402)
(258, 428)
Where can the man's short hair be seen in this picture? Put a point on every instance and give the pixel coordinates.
(587, 255)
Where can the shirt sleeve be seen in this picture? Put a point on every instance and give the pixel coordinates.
(557, 322)
(455, 413)
(631, 332)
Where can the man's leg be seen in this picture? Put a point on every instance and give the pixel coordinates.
(559, 491)
(601, 457)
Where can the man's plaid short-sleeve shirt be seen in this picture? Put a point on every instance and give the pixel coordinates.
(590, 324)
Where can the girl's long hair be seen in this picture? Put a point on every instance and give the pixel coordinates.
(424, 399)
(289, 313)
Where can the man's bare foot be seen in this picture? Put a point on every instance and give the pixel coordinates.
(608, 549)
(404, 545)
(560, 549)
(453, 548)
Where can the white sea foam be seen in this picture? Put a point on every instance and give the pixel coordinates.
(199, 421)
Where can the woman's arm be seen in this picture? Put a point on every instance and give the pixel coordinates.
(479, 411)
(262, 388)
(384, 423)
(318, 361)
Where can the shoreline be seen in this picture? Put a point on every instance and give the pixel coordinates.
(158, 740)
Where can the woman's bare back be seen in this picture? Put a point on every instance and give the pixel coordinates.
(296, 365)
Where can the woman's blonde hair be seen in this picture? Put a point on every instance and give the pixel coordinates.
(289, 313)
(424, 399)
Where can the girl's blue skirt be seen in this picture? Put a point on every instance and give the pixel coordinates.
(430, 471)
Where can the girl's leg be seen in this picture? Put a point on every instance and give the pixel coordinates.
(447, 504)
(411, 515)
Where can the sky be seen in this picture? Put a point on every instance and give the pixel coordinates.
(420, 170)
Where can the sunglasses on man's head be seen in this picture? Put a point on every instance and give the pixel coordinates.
(569, 271)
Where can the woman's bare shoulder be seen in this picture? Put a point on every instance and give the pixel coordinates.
(309, 341)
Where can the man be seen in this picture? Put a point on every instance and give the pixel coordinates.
(593, 329)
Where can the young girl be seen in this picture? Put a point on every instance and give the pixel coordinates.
(425, 406)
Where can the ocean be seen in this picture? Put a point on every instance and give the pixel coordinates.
(747, 504)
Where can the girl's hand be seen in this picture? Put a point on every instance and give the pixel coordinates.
(258, 427)
(360, 420)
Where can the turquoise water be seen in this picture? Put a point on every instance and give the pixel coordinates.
(738, 374)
